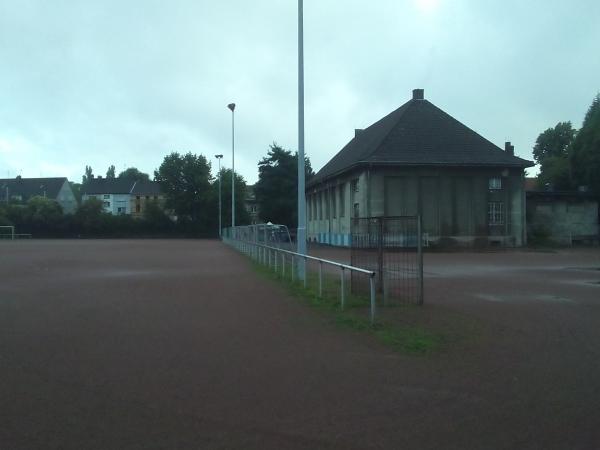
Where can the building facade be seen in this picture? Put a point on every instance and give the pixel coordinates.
(22, 189)
(418, 160)
(123, 196)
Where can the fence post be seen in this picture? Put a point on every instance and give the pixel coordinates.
(305, 272)
(342, 287)
(372, 289)
(276, 261)
(293, 277)
(420, 257)
(283, 266)
(321, 279)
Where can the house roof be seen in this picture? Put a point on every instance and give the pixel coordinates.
(30, 187)
(146, 188)
(120, 186)
(418, 134)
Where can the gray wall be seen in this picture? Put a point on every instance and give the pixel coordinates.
(453, 203)
(564, 220)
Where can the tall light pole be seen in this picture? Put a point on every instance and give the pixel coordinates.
(301, 234)
(231, 106)
(219, 162)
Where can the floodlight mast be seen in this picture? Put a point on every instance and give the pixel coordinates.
(301, 233)
(231, 106)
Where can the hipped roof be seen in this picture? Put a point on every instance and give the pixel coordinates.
(417, 134)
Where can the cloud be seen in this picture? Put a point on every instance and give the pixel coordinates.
(125, 83)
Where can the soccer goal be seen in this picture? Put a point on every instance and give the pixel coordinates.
(7, 232)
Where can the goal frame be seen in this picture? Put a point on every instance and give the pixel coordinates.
(11, 232)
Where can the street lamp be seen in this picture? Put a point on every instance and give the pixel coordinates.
(231, 106)
(301, 234)
(219, 161)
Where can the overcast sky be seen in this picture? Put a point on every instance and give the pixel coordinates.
(127, 82)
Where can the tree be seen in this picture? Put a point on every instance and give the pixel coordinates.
(186, 182)
(91, 217)
(88, 176)
(277, 187)
(134, 174)
(585, 151)
(110, 173)
(554, 142)
(551, 152)
(241, 214)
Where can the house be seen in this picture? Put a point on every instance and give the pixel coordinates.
(22, 189)
(252, 205)
(562, 217)
(121, 195)
(418, 160)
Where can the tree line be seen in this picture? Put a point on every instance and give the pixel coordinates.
(190, 206)
(569, 159)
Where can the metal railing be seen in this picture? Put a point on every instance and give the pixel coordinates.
(274, 257)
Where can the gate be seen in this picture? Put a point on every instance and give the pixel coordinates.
(391, 247)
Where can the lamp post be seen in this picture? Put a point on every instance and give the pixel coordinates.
(231, 106)
(219, 162)
(301, 234)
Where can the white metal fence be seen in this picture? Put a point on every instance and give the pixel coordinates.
(287, 262)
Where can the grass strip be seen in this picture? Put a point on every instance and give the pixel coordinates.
(410, 339)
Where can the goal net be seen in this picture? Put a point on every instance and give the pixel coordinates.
(7, 232)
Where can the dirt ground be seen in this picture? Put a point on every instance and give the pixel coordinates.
(135, 344)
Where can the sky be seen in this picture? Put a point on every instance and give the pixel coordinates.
(127, 82)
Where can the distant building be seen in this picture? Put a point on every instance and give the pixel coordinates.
(123, 196)
(252, 205)
(22, 189)
(418, 160)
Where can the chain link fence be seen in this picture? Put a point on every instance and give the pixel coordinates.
(392, 248)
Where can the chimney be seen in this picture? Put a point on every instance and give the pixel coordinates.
(508, 148)
(418, 94)
(357, 131)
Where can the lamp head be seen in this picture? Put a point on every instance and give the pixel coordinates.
(231, 106)
(218, 156)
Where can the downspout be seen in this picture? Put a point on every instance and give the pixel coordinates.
(369, 191)
(523, 210)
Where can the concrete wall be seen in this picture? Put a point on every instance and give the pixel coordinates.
(562, 220)
(454, 204)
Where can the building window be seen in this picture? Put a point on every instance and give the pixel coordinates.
(496, 213)
(342, 200)
(106, 204)
(121, 210)
(356, 210)
(106, 196)
(495, 183)
(354, 185)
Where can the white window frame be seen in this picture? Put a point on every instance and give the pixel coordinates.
(495, 183)
(495, 213)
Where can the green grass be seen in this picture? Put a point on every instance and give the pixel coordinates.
(411, 338)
